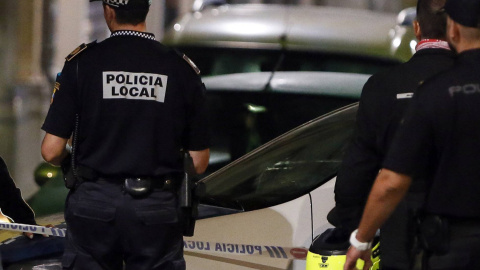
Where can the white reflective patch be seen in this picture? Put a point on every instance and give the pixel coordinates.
(129, 85)
(9, 241)
(404, 95)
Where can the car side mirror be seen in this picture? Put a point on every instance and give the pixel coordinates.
(46, 172)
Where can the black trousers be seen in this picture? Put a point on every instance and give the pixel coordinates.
(463, 252)
(109, 229)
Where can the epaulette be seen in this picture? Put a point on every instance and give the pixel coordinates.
(189, 61)
(79, 49)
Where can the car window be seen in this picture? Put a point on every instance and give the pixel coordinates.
(285, 168)
(219, 61)
(243, 121)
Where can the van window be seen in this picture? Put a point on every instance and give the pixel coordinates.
(219, 61)
(308, 61)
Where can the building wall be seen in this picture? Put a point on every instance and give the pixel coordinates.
(24, 85)
(20, 85)
(22, 90)
(7, 60)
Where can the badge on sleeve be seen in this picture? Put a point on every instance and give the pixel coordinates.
(79, 49)
(191, 63)
(75, 52)
(56, 87)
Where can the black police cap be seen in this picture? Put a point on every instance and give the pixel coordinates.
(464, 12)
(126, 4)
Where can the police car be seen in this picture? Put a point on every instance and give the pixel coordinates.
(261, 211)
(224, 38)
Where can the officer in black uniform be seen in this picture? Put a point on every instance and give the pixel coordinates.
(382, 105)
(441, 126)
(11, 201)
(132, 105)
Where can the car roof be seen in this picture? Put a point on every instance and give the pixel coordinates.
(347, 85)
(332, 29)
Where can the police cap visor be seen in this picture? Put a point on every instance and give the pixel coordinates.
(464, 12)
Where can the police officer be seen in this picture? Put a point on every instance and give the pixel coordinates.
(11, 201)
(382, 104)
(131, 104)
(441, 126)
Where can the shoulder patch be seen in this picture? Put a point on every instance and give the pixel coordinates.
(79, 49)
(56, 88)
(191, 63)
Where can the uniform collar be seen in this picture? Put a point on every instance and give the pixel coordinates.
(133, 33)
(432, 44)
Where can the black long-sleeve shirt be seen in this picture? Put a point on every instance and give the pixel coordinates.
(384, 99)
(443, 119)
(11, 201)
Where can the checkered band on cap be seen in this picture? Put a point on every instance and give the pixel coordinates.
(133, 33)
(116, 3)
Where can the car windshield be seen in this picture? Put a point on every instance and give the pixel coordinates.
(219, 61)
(285, 168)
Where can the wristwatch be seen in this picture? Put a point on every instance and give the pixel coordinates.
(361, 246)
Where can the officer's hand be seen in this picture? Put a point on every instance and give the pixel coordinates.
(30, 235)
(353, 255)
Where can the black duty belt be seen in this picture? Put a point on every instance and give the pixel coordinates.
(135, 186)
(464, 225)
(139, 186)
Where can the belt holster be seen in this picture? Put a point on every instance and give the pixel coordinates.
(189, 194)
(434, 234)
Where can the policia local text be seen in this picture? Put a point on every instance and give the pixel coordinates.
(140, 86)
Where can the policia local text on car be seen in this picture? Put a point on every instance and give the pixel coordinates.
(132, 105)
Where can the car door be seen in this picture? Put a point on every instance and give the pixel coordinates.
(278, 196)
